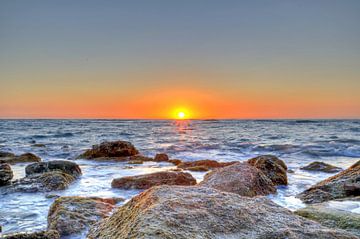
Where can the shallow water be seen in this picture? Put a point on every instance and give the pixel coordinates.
(297, 142)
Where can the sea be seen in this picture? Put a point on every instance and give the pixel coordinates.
(297, 142)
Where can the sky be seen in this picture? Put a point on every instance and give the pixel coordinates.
(151, 59)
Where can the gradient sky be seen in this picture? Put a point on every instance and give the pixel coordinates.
(146, 59)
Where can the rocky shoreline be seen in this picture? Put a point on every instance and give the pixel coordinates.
(228, 203)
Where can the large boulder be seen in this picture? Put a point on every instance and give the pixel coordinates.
(73, 215)
(322, 167)
(205, 213)
(240, 178)
(55, 165)
(146, 181)
(203, 165)
(115, 149)
(45, 182)
(334, 214)
(273, 167)
(341, 185)
(161, 157)
(6, 174)
(33, 235)
(23, 158)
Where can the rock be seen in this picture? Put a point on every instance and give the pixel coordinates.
(39, 145)
(332, 214)
(204, 213)
(73, 215)
(161, 157)
(240, 178)
(203, 165)
(135, 162)
(321, 166)
(6, 174)
(6, 154)
(55, 165)
(341, 185)
(273, 167)
(23, 158)
(139, 157)
(45, 182)
(115, 149)
(175, 161)
(146, 181)
(33, 235)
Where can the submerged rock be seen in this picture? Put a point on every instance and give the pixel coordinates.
(203, 213)
(321, 166)
(55, 165)
(113, 149)
(239, 178)
(45, 182)
(73, 215)
(146, 181)
(273, 167)
(33, 235)
(332, 214)
(6, 154)
(6, 174)
(341, 185)
(23, 158)
(203, 165)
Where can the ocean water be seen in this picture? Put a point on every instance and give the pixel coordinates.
(297, 142)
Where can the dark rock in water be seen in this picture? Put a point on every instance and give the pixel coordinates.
(341, 185)
(73, 215)
(23, 158)
(273, 167)
(327, 214)
(161, 157)
(6, 174)
(203, 165)
(204, 213)
(139, 157)
(6, 154)
(239, 178)
(55, 165)
(175, 161)
(110, 149)
(33, 235)
(39, 145)
(321, 166)
(146, 181)
(45, 182)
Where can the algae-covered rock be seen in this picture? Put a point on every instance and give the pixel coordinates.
(73, 215)
(6, 174)
(146, 181)
(321, 167)
(55, 165)
(110, 150)
(334, 214)
(23, 158)
(33, 235)
(273, 167)
(239, 178)
(341, 185)
(203, 165)
(205, 213)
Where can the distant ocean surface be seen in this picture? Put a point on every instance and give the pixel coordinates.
(297, 142)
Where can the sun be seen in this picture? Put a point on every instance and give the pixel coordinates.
(181, 115)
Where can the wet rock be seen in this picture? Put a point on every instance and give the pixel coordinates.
(240, 178)
(39, 145)
(55, 165)
(45, 182)
(341, 185)
(161, 157)
(113, 149)
(73, 215)
(33, 235)
(334, 214)
(273, 167)
(203, 165)
(6, 154)
(322, 167)
(135, 162)
(139, 157)
(6, 174)
(146, 181)
(175, 161)
(23, 158)
(203, 213)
